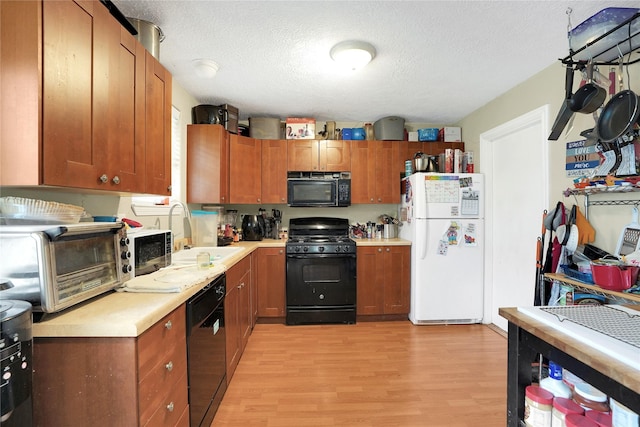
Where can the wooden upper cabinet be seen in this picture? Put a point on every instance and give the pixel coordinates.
(77, 114)
(71, 156)
(207, 164)
(158, 127)
(245, 169)
(274, 171)
(318, 155)
(127, 141)
(375, 176)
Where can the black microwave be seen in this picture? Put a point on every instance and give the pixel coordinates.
(319, 189)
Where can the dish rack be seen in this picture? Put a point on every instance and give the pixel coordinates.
(19, 210)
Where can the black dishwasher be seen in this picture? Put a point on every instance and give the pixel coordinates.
(206, 360)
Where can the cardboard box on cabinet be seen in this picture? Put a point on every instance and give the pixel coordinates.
(450, 134)
(300, 128)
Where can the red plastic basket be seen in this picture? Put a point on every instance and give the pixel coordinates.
(614, 277)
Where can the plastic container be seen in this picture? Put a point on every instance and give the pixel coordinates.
(347, 134)
(204, 228)
(358, 134)
(389, 128)
(590, 398)
(601, 418)
(561, 408)
(537, 407)
(553, 383)
(575, 420)
(621, 416)
(614, 277)
(428, 134)
(265, 128)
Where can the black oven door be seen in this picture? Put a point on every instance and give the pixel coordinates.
(321, 280)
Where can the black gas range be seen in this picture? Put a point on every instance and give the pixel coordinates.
(321, 272)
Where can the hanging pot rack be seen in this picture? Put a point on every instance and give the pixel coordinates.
(600, 47)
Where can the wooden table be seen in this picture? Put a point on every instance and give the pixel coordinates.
(528, 337)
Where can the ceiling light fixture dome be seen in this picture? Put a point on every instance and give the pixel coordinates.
(353, 54)
(205, 68)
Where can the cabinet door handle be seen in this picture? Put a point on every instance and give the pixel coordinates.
(280, 251)
(169, 366)
(371, 200)
(379, 249)
(168, 325)
(116, 180)
(388, 249)
(169, 189)
(170, 407)
(104, 178)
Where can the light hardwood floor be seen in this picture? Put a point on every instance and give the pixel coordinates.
(369, 374)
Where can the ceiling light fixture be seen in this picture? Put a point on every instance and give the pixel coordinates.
(353, 54)
(205, 68)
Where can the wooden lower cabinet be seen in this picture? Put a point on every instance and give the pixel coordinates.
(384, 280)
(237, 313)
(271, 282)
(113, 381)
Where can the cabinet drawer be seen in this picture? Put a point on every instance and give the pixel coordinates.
(171, 409)
(155, 343)
(162, 381)
(235, 273)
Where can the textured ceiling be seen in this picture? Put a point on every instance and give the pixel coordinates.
(437, 61)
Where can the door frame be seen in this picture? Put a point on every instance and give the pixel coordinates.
(540, 118)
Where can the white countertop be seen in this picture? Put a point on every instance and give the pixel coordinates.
(129, 314)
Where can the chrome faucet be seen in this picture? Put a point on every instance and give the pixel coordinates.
(186, 219)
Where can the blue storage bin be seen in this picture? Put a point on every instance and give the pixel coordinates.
(428, 134)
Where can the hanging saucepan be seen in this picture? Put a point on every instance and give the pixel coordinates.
(619, 115)
(589, 97)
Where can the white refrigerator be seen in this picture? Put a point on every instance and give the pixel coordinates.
(443, 216)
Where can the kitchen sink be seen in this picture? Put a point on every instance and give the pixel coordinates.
(216, 254)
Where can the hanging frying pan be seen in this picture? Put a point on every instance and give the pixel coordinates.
(565, 112)
(618, 116)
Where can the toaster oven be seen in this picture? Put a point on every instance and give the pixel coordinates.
(57, 266)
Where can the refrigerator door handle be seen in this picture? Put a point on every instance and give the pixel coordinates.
(423, 231)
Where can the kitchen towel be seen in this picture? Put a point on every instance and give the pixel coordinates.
(172, 279)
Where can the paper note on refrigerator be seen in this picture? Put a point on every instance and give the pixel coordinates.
(470, 202)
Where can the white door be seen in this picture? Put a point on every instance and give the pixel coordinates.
(515, 161)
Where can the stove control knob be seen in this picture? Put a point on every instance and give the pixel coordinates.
(337, 248)
(321, 248)
(297, 248)
(306, 249)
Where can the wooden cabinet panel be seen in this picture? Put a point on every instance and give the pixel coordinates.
(127, 136)
(237, 313)
(113, 381)
(165, 383)
(171, 328)
(85, 381)
(370, 292)
(383, 280)
(158, 127)
(375, 172)
(70, 155)
(397, 279)
(302, 155)
(207, 164)
(318, 156)
(335, 156)
(274, 171)
(245, 169)
(271, 282)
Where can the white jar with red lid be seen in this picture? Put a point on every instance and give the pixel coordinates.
(561, 408)
(537, 407)
(575, 420)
